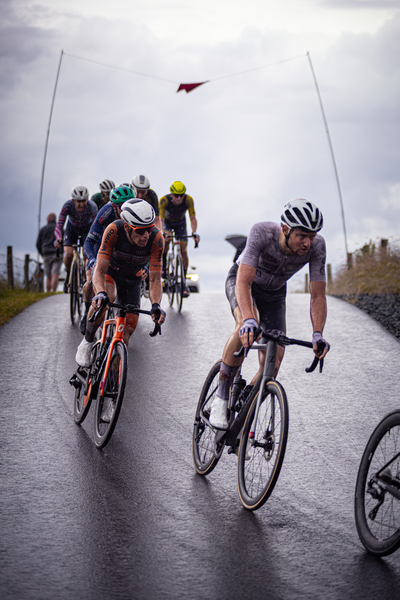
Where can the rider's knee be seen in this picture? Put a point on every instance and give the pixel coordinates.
(131, 321)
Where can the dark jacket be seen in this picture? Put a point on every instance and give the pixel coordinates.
(46, 239)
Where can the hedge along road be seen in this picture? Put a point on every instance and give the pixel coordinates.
(134, 520)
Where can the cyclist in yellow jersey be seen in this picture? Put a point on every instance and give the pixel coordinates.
(173, 208)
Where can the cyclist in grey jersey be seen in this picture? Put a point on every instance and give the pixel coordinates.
(274, 268)
(256, 289)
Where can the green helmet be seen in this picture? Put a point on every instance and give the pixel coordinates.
(177, 188)
(121, 194)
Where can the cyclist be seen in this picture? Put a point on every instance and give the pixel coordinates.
(101, 198)
(81, 213)
(127, 246)
(106, 215)
(173, 209)
(141, 185)
(256, 288)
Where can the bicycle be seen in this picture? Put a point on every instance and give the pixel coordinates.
(77, 278)
(258, 423)
(377, 493)
(105, 379)
(175, 275)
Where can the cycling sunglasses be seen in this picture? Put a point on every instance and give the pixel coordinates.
(142, 230)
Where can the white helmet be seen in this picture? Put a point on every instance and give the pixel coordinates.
(79, 192)
(107, 185)
(128, 185)
(137, 213)
(141, 182)
(302, 214)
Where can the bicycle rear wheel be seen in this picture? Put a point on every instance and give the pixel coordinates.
(179, 281)
(205, 451)
(73, 291)
(377, 511)
(110, 395)
(170, 279)
(84, 394)
(262, 446)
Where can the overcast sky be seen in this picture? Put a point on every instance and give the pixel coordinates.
(244, 144)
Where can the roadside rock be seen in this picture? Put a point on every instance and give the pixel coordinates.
(384, 308)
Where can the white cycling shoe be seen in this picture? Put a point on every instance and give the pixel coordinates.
(219, 413)
(83, 353)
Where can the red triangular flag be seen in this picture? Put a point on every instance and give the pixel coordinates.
(188, 87)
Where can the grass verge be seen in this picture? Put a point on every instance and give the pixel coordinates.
(372, 273)
(12, 302)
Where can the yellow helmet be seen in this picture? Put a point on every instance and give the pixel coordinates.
(177, 188)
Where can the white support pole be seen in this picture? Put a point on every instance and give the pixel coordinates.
(47, 141)
(333, 156)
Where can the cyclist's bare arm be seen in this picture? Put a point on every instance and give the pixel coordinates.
(155, 290)
(244, 281)
(193, 223)
(318, 309)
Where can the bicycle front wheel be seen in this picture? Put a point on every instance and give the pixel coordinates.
(262, 446)
(377, 510)
(179, 282)
(110, 395)
(84, 393)
(170, 279)
(73, 291)
(205, 450)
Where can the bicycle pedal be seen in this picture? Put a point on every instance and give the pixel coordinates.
(75, 381)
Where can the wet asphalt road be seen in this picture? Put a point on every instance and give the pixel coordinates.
(134, 520)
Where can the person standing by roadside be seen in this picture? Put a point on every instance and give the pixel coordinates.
(51, 256)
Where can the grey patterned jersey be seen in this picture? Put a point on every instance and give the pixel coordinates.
(274, 267)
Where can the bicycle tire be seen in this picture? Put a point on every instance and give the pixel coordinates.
(204, 451)
(73, 291)
(111, 388)
(179, 281)
(259, 465)
(377, 511)
(81, 283)
(84, 394)
(170, 280)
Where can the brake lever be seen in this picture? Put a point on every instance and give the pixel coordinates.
(320, 347)
(157, 329)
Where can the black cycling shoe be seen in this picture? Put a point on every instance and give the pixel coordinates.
(66, 286)
(186, 292)
(82, 324)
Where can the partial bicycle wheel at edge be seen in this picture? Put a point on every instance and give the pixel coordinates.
(84, 394)
(204, 453)
(73, 291)
(377, 511)
(262, 446)
(110, 395)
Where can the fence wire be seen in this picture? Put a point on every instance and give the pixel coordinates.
(35, 272)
